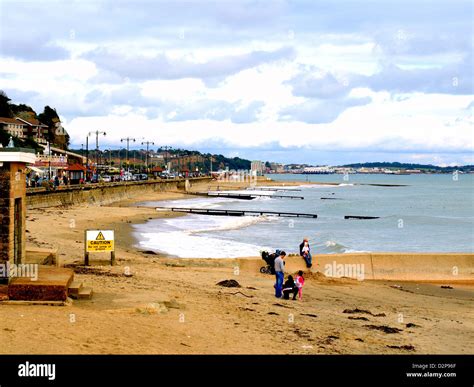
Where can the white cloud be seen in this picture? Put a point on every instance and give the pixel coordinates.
(300, 77)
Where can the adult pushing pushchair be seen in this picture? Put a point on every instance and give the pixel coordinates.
(269, 259)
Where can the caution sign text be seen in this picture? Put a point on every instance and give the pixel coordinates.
(99, 240)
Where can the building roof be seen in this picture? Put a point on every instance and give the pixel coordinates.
(65, 152)
(22, 121)
(157, 169)
(76, 167)
(31, 122)
(6, 120)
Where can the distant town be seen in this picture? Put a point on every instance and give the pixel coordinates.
(56, 163)
(389, 168)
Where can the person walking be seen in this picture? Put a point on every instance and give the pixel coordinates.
(279, 273)
(305, 252)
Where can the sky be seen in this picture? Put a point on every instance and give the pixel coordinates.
(316, 82)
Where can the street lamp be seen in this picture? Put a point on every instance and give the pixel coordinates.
(49, 160)
(97, 132)
(166, 148)
(127, 139)
(87, 155)
(148, 143)
(110, 156)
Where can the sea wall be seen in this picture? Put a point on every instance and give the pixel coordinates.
(443, 267)
(104, 193)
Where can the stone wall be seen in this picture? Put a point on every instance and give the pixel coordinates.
(394, 266)
(104, 193)
(12, 186)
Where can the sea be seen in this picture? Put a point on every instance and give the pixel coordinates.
(418, 213)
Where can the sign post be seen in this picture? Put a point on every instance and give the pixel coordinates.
(99, 241)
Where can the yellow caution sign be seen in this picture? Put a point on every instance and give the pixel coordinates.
(99, 240)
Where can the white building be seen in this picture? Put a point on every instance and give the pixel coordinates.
(257, 167)
(318, 170)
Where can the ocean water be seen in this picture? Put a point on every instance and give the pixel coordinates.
(432, 213)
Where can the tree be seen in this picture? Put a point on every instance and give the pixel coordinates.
(56, 133)
(5, 108)
(49, 117)
(22, 110)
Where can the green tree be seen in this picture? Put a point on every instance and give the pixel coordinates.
(23, 111)
(56, 134)
(49, 116)
(5, 108)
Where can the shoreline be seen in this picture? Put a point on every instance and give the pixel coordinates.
(174, 306)
(132, 241)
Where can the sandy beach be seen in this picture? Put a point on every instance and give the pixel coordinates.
(174, 306)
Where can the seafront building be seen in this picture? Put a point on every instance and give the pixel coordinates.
(25, 128)
(185, 164)
(257, 167)
(57, 162)
(276, 168)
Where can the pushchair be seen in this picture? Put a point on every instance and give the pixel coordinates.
(269, 259)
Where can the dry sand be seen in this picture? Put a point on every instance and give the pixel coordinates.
(173, 306)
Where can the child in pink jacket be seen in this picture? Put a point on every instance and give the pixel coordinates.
(299, 284)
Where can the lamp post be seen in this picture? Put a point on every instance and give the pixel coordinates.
(49, 160)
(97, 132)
(87, 156)
(110, 157)
(127, 139)
(166, 148)
(148, 143)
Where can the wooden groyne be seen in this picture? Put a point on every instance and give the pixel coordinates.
(386, 185)
(224, 194)
(216, 212)
(243, 196)
(223, 212)
(272, 189)
(360, 217)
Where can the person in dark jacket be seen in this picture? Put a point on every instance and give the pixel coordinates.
(305, 252)
(289, 287)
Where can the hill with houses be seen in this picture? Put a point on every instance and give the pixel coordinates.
(29, 129)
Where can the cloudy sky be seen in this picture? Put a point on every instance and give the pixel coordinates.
(322, 82)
